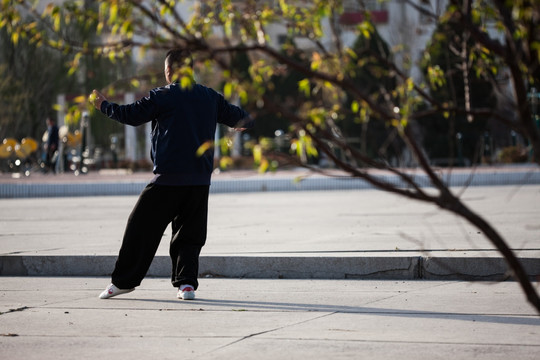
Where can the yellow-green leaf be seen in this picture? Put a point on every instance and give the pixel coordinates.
(80, 99)
(225, 162)
(113, 13)
(355, 106)
(263, 167)
(15, 38)
(56, 23)
(186, 82)
(243, 96)
(257, 154)
(204, 148)
(227, 90)
(304, 86)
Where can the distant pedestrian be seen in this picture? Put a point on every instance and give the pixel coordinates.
(183, 120)
(50, 145)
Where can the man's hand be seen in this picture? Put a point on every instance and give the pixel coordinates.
(96, 98)
(241, 125)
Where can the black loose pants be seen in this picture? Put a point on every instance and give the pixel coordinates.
(186, 207)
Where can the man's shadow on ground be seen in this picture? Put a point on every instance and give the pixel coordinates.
(246, 305)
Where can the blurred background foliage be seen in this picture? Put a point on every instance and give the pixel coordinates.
(459, 111)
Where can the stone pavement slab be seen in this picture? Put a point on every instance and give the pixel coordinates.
(62, 318)
(344, 222)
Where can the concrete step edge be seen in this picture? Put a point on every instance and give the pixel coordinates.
(287, 267)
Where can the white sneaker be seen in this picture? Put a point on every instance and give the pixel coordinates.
(112, 290)
(186, 292)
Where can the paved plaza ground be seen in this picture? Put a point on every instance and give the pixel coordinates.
(325, 273)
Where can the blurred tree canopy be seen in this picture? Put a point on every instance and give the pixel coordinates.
(29, 82)
(34, 72)
(348, 89)
(450, 51)
(375, 138)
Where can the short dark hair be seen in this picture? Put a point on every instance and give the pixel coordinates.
(177, 58)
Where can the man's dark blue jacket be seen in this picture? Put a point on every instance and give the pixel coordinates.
(182, 121)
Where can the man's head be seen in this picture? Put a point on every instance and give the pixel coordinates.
(174, 61)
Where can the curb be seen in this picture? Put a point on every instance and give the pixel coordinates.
(134, 187)
(271, 267)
